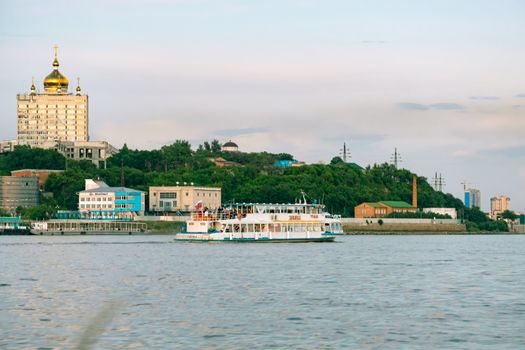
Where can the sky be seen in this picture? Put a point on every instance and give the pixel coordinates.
(442, 81)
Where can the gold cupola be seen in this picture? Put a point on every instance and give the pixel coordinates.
(56, 82)
(33, 88)
(78, 87)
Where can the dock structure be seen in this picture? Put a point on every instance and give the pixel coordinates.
(89, 227)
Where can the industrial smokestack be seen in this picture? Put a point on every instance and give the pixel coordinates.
(414, 191)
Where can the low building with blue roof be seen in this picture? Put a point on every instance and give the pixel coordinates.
(101, 202)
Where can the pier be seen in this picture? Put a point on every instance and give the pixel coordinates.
(89, 227)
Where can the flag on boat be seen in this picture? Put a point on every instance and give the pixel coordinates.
(199, 206)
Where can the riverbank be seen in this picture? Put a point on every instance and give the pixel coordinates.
(164, 227)
(427, 233)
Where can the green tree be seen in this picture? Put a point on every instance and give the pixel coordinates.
(336, 160)
(509, 214)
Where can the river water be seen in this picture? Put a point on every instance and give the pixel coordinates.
(366, 292)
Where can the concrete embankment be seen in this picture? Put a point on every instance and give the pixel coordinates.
(402, 226)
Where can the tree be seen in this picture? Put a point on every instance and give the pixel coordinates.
(509, 214)
(25, 157)
(336, 160)
(216, 146)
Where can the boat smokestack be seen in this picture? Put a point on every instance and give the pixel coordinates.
(414, 191)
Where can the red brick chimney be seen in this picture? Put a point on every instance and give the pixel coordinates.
(414, 191)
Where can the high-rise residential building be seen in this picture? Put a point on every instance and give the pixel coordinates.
(54, 115)
(472, 198)
(498, 205)
(57, 119)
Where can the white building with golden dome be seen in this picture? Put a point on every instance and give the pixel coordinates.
(54, 115)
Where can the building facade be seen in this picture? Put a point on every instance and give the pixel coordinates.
(498, 205)
(183, 198)
(230, 146)
(41, 174)
(99, 201)
(18, 191)
(53, 115)
(96, 152)
(382, 209)
(8, 146)
(472, 198)
(370, 210)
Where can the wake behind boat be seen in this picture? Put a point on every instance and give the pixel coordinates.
(262, 223)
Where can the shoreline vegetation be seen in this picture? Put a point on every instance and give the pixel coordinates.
(249, 177)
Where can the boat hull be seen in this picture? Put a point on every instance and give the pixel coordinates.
(206, 238)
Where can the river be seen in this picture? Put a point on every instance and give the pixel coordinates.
(366, 292)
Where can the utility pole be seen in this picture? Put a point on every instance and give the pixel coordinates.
(122, 180)
(396, 158)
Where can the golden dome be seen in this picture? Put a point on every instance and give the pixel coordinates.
(56, 81)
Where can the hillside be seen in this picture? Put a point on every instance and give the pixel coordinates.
(254, 179)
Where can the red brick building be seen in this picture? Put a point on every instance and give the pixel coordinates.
(41, 174)
(382, 209)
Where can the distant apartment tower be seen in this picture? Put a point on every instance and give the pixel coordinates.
(18, 191)
(498, 205)
(45, 118)
(472, 198)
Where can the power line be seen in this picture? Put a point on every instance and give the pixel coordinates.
(345, 153)
(395, 158)
(438, 182)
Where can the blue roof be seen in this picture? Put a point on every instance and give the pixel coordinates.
(111, 189)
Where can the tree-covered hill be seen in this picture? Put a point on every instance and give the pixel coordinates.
(340, 186)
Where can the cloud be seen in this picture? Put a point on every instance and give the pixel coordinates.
(513, 152)
(412, 106)
(350, 138)
(482, 98)
(238, 132)
(435, 106)
(518, 107)
(373, 42)
(520, 96)
(446, 106)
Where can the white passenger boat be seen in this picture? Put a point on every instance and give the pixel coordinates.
(242, 222)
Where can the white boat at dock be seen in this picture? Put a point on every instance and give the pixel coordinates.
(88, 227)
(262, 223)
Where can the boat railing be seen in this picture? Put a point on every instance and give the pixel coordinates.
(214, 215)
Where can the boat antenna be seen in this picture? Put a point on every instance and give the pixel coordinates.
(304, 196)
